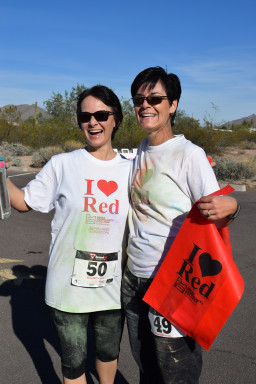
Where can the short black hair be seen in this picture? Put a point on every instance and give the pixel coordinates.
(108, 97)
(150, 76)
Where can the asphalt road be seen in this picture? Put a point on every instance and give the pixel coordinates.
(29, 348)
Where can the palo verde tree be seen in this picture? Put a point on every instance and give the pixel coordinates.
(10, 119)
(63, 107)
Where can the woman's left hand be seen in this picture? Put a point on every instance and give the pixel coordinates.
(218, 208)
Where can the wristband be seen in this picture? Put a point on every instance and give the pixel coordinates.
(232, 217)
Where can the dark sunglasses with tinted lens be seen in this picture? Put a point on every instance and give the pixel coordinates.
(85, 117)
(151, 100)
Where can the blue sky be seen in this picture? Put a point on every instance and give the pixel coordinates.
(51, 46)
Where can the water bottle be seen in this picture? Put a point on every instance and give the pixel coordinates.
(5, 206)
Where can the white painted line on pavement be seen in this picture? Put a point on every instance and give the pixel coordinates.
(21, 174)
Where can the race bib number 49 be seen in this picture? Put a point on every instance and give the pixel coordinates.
(94, 269)
(161, 326)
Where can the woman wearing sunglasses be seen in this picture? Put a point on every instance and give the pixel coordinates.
(88, 188)
(169, 175)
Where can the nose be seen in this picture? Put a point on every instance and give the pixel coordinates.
(93, 121)
(145, 103)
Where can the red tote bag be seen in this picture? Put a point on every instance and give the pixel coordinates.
(198, 284)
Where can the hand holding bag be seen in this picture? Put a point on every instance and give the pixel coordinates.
(198, 284)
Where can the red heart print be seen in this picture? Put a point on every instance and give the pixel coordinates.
(107, 187)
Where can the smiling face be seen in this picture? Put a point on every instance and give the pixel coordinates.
(155, 119)
(97, 133)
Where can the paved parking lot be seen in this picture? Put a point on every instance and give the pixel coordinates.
(29, 348)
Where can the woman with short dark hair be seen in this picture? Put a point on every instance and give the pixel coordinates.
(169, 175)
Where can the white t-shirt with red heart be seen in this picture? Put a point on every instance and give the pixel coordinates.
(88, 230)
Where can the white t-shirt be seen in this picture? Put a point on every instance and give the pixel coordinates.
(166, 180)
(90, 197)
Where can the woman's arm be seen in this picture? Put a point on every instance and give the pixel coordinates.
(40, 193)
(17, 197)
(219, 209)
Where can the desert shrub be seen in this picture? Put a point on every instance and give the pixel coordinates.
(231, 170)
(41, 157)
(15, 149)
(6, 155)
(17, 162)
(71, 145)
(248, 145)
(21, 150)
(6, 152)
(241, 136)
(37, 160)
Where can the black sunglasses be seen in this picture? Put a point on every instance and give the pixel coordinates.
(85, 117)
(152, 100)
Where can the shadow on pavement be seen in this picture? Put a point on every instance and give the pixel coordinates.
(33, 326)
(30, 319)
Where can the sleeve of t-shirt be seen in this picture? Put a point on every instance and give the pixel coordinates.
(201, 178)
(40, 193)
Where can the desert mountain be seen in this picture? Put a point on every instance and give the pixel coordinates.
(27, 110)
(240, 121)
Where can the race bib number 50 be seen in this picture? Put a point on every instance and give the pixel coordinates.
(94, 269)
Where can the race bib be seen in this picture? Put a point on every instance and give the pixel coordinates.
(161, 326)
(94, 269)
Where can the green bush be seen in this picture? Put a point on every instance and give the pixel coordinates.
(231, 170)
